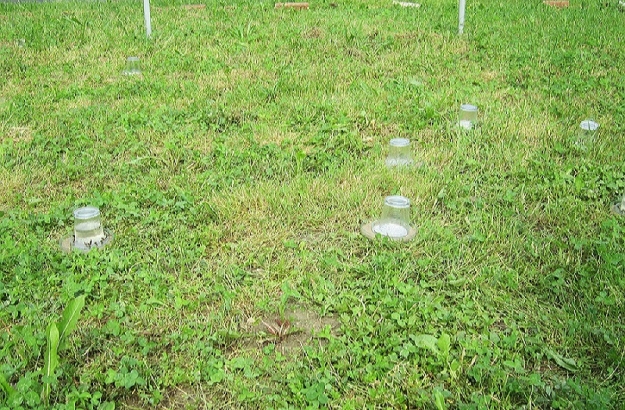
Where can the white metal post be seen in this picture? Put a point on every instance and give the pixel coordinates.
(146, 14)
(461, 8)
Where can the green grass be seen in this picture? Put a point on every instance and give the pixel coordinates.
(235, 174)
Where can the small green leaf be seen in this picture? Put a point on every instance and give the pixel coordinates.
(51, 358)
(444, 343)
(217, 376)
(426, 341)
(70, 317)
(107, 405)
(454, 366)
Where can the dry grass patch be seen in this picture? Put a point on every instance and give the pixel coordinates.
(20, 134)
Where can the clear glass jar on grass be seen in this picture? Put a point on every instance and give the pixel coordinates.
(88, 232)
(587, 134)
(619, 207)
(399, 153)
(467, 118)
(88, 229)
(132, 66)
(394, 223)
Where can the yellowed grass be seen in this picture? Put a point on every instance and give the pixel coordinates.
(21, 134)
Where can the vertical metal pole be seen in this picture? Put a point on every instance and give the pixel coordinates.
(146, 14)
(461, 8)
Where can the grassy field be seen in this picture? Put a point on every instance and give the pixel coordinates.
(235, 173)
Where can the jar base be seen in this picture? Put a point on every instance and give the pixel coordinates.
(367, 231)
(67, 244)
(616, 209)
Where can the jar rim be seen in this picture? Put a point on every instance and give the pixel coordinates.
(397, 201)
(468, 107)
(86, 212)
(400, 142)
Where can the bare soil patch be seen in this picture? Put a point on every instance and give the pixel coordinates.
(292, 331)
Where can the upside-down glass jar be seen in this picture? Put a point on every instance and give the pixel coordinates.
(467, 118)
(88, 230)
(587, 133)
(399, 153)
(132, 66)
(619, 207)
(395, 219)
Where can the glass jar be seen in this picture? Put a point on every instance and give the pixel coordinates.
(88, 229)
(399, 153)
(395, 219)
(467, 118)
(587, 133)
(132, 66)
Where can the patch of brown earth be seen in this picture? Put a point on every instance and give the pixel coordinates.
(295, 329)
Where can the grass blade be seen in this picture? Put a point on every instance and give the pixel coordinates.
(439, 400)
(4, 384)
